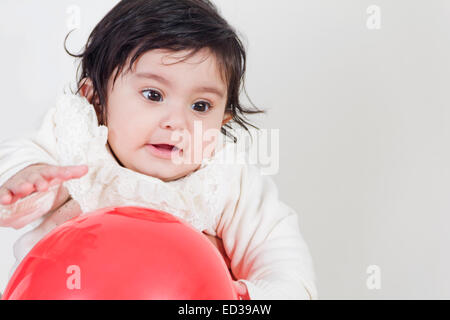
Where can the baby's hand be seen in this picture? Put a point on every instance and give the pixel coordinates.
(241, 290)
(38, 177)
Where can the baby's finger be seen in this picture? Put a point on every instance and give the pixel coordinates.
(241, 290)
(77, 171)
(238, 288)
(5, 196)
(21, 189)
(49, 172)
(64, 173)
(55, 182)
(39, 182)
(72, 172)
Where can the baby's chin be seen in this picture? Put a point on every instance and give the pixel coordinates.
(168, 173)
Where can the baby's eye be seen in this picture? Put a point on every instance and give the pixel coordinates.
(152, 95)
(203, 106)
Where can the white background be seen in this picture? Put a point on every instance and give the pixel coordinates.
(363, 116)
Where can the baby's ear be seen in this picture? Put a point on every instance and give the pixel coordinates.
(87, 89)
(227, 117)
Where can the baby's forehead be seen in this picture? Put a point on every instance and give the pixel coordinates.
(164, 58)
(167, 66)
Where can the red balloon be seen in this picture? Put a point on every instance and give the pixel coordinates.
(123, 253)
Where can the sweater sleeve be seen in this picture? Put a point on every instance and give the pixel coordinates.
(17, 154)
(262, 238)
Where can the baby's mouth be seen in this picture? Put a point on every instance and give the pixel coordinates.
(164, 151)
(165, 147)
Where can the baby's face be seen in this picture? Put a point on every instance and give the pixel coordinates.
(157, 103)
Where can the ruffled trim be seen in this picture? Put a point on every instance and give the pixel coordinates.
(198, 198)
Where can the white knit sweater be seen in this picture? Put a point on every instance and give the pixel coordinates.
(226, 197)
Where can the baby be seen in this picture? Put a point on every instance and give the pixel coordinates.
(159, 86)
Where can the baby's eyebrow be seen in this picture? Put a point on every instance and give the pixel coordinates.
(149, 75)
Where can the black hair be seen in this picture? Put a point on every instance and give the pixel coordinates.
(134, 27)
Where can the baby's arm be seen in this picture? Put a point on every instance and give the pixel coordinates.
(262, 238)
(35, 191)
(38, 178)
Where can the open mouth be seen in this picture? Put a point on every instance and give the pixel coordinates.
(165, 147)
(164, 151)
